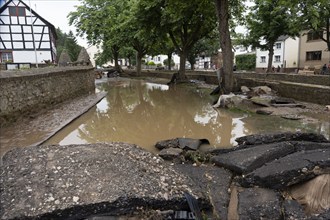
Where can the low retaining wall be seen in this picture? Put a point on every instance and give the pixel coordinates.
(296, 78)
(313, 88)
(26, 91)
(303, 92)
(307, 88)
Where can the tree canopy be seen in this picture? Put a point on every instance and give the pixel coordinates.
(267, 21)
(141, 23)
(314, 15)
(184, 22)
(113, 25)
(67, 42)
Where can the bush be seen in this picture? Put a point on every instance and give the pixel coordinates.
(159, 64)
(151, 63)
(246, 62)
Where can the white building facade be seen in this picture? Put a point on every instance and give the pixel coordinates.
(25, 37)
(159, 59)
(285, 58)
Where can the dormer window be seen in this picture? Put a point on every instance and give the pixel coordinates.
(16, 11)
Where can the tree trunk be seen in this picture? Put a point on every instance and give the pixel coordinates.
(222, 7)
(182, 71)
(115, 51)
(328, 34)
(270, 58)
(138, 63)
(169, 61)
(192, 65)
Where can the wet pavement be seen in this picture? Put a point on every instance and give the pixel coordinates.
(36, 129)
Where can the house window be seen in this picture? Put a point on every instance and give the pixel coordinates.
(6, 57)
(263, 59)
(158, 58)
(16, 11)
(278, 45)
(314, 55)
(277, 59)
(313, 35)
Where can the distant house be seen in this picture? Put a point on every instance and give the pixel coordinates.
(25, 37)
(313, 50)
(159, 59)
(204, 62)
(94, 50)
(286, 55)
(240, 50)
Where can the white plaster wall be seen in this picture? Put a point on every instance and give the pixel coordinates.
(289, 53)
(200, 63)
(5, 36)
(5, 28)
(5, 19)
(29, 56)
(291, 56)
(176, 60)
(92, 50)
(278, 52)
(259, 54)
(163, 57)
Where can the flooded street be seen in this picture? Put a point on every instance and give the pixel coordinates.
(142, 113)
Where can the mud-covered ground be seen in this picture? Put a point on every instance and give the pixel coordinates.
(37, 128)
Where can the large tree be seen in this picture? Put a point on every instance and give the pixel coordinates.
(314, 15)
(163, 45)
(229, 13)
(206, 46)
(99, 21)
(185, 22)
(114, 25)
(140, 38)
(67, 42)
(267, 21)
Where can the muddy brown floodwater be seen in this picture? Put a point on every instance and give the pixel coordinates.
(142, 113)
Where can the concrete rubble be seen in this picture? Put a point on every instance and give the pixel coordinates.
(78, 181)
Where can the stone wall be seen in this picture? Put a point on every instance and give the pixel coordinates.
(28, 91)
(297, 78)
(303, 92)
(307, 88)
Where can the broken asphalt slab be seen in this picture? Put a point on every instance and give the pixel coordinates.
(215, 183)
(289, 170)
(248, 159)
(277, 137)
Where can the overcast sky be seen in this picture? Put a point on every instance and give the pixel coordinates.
(56, 11)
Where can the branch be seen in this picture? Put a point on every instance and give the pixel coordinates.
(174, 41)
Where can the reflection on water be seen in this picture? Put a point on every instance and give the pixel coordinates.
(144, 113)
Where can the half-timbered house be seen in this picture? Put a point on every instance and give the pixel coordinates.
(25, 37)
